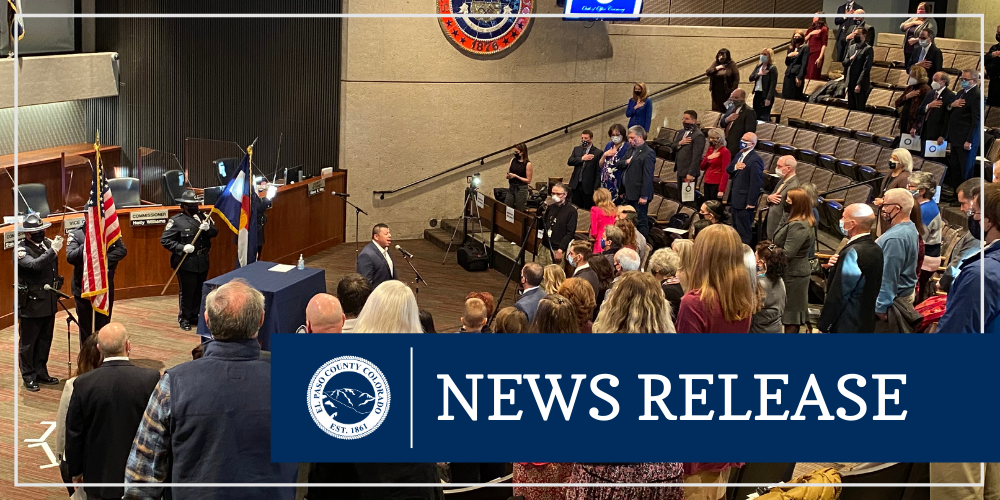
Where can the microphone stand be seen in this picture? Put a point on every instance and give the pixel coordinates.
(418, 279)
(69, 336)
(357, 217)
(520, 258)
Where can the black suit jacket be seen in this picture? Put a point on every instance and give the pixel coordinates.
(935, 121)
(687, 160)
(590, 276)
(559, 225)
(104, 414)
(373, 266)
(963, 123)
(637, 181)
(843, 10)
(852, 287)
(858, 62)
(746, 183)
(745, 122)
(795, 67)
(585, 178)
(933, 55)
(769, 81)
(74, 255)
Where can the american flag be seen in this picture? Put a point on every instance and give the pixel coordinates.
(16, 23)
(101, 232)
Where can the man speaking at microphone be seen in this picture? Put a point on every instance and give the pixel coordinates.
(374, 262)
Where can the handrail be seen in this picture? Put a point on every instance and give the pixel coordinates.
(564, 129)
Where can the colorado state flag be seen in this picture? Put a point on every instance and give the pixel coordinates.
(239, 212)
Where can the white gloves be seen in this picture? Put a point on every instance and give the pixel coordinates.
(189, 248)
(57, 243)
(204, 226)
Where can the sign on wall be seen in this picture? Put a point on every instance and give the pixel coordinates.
(156, 217)
(485, 35)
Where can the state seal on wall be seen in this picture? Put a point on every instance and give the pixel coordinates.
(485, 35)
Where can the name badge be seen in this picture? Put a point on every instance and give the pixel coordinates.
(550, 233)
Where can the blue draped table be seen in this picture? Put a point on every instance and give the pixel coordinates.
(285, 296)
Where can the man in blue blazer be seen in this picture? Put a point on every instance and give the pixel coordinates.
(374, 262)
(746, 177)
(531, 280)
(637, 181)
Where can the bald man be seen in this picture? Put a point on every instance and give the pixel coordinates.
(104, 412)
(738, 119)
(746, 176)
(776, 214)
(854, 277)
(324, 314)
(899, 250)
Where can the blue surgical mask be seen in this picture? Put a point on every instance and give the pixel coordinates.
(569, 258)
(842, 228)
(763, 59)
(965, 84)
(914, 192)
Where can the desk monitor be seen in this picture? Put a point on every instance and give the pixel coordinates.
(293, 174)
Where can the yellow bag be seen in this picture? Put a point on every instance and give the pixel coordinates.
(789, 491)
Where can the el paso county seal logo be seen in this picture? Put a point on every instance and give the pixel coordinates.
(348, 397)
(479, 32)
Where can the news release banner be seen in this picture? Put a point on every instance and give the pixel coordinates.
(634, 398)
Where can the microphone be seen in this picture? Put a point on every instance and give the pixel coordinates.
(342, 195)
(57, 292)
(406, 254)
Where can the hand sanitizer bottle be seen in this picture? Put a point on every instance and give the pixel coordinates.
(302, 262)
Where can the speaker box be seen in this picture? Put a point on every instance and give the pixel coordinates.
(473, 258)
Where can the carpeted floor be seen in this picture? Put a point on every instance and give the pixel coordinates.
(157, 343)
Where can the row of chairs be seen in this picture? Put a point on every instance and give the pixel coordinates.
(34, 196)
(951, 62)
(858, 160)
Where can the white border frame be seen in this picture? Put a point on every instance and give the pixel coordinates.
(17, 375)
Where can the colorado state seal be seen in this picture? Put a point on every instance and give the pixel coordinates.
(485, 35)
(348, 397)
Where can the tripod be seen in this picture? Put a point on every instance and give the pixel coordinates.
(470, 192)
(518, 260)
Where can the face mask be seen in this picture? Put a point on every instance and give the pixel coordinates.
(911, 81)
(915, 192)
(965, 84)
(788, 208)
(797, 40)
(745, 145)
(763, 59)
(636, 92)
(842, 228)
(37, 237)
(974, 227)
(585, 143)
(569, 258)
(556, 199)
(738, 103)
(893, 164)
(190, 210)
(924, 43)
(617, 139)
(858, 40)
(887, 216)
(936, 86)
(688, 126)
(998, 37)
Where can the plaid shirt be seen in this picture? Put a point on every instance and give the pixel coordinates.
(149, 461)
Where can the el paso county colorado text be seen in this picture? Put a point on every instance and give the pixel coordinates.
(700, 391)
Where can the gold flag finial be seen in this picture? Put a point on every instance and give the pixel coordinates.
(97, 140)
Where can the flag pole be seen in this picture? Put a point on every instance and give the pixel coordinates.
(171, 280)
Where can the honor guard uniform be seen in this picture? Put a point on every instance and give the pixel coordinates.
(38, 267)
(74, 255)
(179, 238)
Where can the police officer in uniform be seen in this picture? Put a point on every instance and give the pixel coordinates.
(74, 255)
(178, 237)
(38, 266)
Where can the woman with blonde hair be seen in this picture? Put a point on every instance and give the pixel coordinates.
(602, 214)
(581, 295)
(552, 276)
(635, 304)
(720, 297)
(900, 164)
(684, 249)
(765, 84)
(391, 308)
(796, 237)
(714, 163)
(640, 107)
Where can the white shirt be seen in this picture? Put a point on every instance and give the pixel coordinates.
(743, 155)
(581, 268)
(385, 253)
(349, 325)
(116, 358)
(526, 290)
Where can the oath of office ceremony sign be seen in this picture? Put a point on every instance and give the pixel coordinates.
(634, 398)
